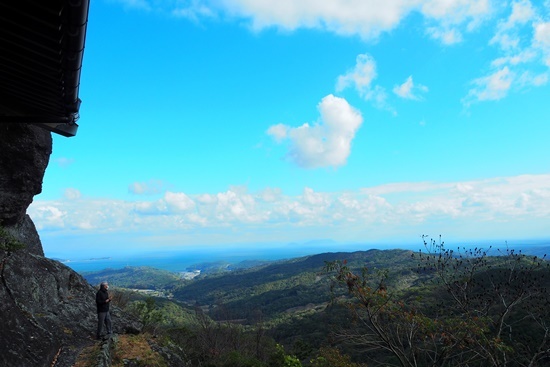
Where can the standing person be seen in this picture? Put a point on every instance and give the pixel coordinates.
(102, 300)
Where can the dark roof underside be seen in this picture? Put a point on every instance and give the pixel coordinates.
(41, 49)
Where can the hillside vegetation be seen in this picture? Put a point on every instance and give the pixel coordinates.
(437, 308)
(141, 277)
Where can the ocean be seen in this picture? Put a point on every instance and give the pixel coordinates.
(180, 260)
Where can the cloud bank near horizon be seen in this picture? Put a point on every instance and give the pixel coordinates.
(505, 206)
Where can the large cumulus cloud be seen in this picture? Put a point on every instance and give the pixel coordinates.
(326, 143)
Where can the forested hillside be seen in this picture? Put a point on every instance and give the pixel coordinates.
(397, 307)
(141, 277)
(280, 287)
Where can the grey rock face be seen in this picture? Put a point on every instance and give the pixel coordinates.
(25, 232)
(47, 310)
(24, 155)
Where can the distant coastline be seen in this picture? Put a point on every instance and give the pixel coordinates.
(183, 261)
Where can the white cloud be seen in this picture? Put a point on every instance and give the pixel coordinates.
(178, 202)
(527, 79)
(542, 34)
(151, 208)
(326, 144)
(48, 216)
(491, 87)
(312, 198)
(494, 206)
(541, 40)
(72, 194)
(206, 198)
(409, 90)
(445, 36)
(361, 77)
(519, 67)
(193, 11)
(507, 36)
(446, 19)
(279, 132)
(522, 12)
(270, 195)
(84, 214)
(522, 57)
(234, 206)
(172, 203)
(366, 18)
(449, 17)
(150, 187)
(455, 11)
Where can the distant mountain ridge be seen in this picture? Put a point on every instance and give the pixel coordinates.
(145, 277)
(269, 287)
(298, 300)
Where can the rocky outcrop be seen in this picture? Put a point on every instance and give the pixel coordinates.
(47, 311)
(25, 152)
(24, 232)
(105, 355)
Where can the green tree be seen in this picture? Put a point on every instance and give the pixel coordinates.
(331, 357)
(150, 316)
(280, 358)
(8, 242)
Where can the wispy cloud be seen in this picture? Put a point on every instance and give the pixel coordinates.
(492, 206)
(409, 90)
(150, 187)
(542, 40)
(449, 22)
(64, 161)
(72, 194)
(361, 78)
(366, 18)
(490, 88)
(326, 143)
(507, 30)
(445, 36)
(194, 10)
(524, 61)
(446, 20)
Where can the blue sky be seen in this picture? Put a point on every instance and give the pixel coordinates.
(253, 122)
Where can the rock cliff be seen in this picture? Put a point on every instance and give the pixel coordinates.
(47, 311)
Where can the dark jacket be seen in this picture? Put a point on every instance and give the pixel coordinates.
(101, 300)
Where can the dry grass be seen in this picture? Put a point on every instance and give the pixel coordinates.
(136, 348)
(87, 357)
(129, 347)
